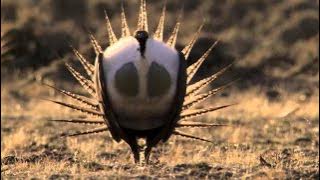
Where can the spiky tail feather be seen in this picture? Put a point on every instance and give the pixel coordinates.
(188, 114)
(111, 36)
(143, 19)
(79, 121)
(79, 108)
(173, 38)
(81, 99)
(86, 65)
(93, 131)
(159, 32)
(85, 83)
(196, 87)
(194, 100)
(125, 31)
(187, 49)
(97, 48)
(190, 136)
(191, 71)
(198, 125)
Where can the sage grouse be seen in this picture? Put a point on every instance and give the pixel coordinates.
(140, 86)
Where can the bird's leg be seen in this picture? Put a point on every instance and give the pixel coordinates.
(132, 141)
(142, 147)
(152, 141)
(147, 152)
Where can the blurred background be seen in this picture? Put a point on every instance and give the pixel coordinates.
(274, 44)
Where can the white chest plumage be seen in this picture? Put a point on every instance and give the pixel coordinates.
(138, 109)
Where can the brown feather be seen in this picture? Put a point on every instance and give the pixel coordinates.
(198, 125)
(191, 71)
(125, 31)
(173, 38)
(190, 136)
(86, 65)
(188, 114)
(97, 48)
(111, 36)
(86, 84)
(79, 108)
(93, 131)
(81, 99)
(194, 100)
(143, 19)
(196, 87)
(78, 121)
(159, 32)
(187, 49)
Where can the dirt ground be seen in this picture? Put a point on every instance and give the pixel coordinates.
(273, 132)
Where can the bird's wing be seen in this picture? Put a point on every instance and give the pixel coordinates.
(101, 86)
(179, 99)
(173, 116)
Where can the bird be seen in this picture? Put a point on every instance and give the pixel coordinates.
(140, 87)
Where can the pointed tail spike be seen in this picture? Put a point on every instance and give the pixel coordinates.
(196, 87)
(89, 68)
(81, 99)
(179, 133)
(159, 32)
(194, 100)
(125, 31)
(198, 125)
(93, 131)
(111, 35)
(78, 108)
(97, 48)
(191, 71)
(186, 50)
(173, 38)
(78, 121)
(188, 114)
(198, 98)
(85, 83)
(143, 18)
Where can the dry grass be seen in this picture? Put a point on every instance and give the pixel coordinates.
(266, 129)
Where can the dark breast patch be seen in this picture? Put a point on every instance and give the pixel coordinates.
(158, 80)
(127, 80)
